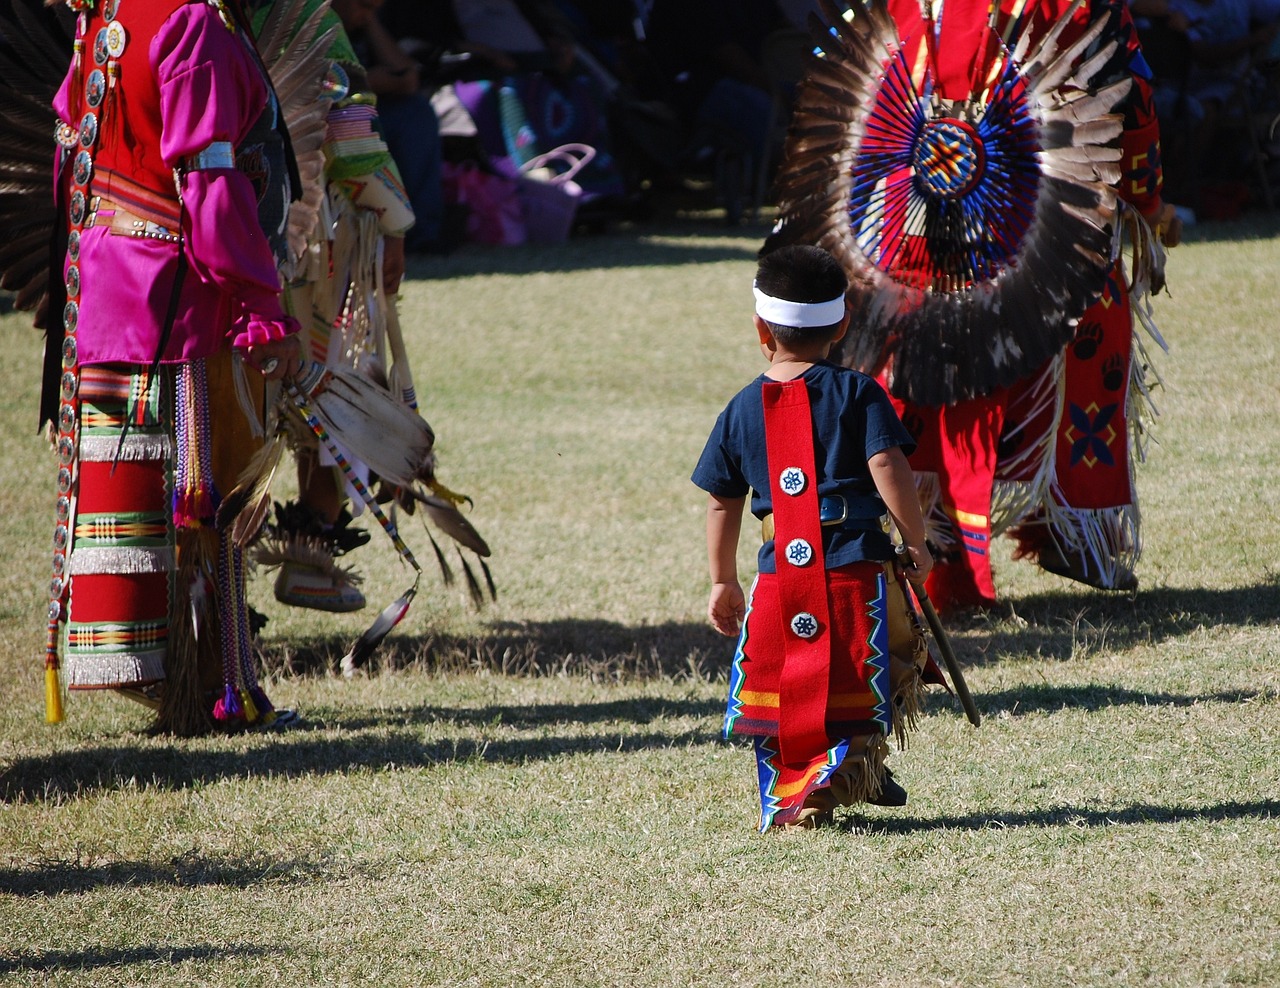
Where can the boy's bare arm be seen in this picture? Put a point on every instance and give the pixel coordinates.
(728, 605)
(897, 486)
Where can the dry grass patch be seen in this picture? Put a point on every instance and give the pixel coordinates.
(537, 793)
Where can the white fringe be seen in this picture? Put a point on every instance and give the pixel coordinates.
(1013, 500)
(144, 446)
(110, 671)
(120, 559)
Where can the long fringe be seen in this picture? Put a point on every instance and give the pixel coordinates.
(1108, 539)
(860, 776)
(184, 710)
(1013, 500)
(1144, 276)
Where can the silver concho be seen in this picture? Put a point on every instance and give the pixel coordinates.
(100, 47)
(95, 88)
(77, 207)
(88, 129)
(73, 245)
(66, 450)
(60, 537)
(73, 280)
(82, 171)
(68, 385)
(70, 316)
(64, 508)
(55, 588)
(64, 480)
(109, 9)
(55, 610)
(67, 417)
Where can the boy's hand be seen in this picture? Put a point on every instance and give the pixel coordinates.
(916, 562)
(727, 608)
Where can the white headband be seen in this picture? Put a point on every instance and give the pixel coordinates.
(801, 315)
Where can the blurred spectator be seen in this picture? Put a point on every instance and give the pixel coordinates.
(709, 54)
(1167, 50)
(515, 68)
(1224, 40)
(409, 122)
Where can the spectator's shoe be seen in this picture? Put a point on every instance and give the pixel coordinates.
(891, 794)
(301, 585)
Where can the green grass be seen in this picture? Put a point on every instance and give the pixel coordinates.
(537, 794)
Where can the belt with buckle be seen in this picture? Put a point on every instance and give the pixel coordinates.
(833, 510)
(123, 223)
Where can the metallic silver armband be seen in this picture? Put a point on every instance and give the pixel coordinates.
(219, 154)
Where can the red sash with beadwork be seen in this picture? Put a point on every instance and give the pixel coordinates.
(802, 577)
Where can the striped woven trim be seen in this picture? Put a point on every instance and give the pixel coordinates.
(98, 418)
(117, 637)
(108, 394)
(101, 384)
(122, 528)
(87, 560)
(147, 203)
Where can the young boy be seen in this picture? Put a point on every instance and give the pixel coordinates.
(823, 455)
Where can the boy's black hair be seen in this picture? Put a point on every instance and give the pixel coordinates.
(801, 273)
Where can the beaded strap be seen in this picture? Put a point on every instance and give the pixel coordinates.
(78, 143)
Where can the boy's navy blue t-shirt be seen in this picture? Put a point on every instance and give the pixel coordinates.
(853, 420)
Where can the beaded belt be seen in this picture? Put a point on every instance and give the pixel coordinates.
(123, 223)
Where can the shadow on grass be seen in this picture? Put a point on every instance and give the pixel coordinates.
(88, 960)
(1064, 816)
(187, 871)
(1057, 626)
(602, 650)
(396, 744)
(1098, 696)
(1062, 625)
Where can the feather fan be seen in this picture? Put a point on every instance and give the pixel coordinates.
(974, 232)
(387, 436)
(35, 49)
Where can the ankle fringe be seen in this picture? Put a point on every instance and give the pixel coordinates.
(860, 776)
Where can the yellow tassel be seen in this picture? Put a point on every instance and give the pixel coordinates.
(442, 492)
(52, 697)
(250, 709)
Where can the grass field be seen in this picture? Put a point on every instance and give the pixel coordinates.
(536, 793)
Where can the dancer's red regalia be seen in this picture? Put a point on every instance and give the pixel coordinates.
(973, 170)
